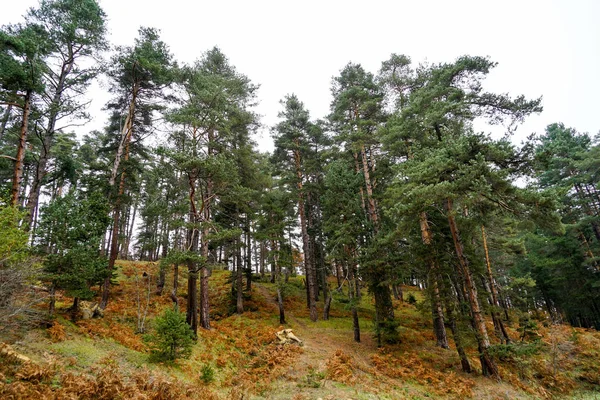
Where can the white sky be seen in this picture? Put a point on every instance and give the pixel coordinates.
(546, 48)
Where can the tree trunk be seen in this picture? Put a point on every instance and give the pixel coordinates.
(351, 296)
(162, 278)
(372, 208)
(204, 305)
(395, 292)
(276, 274)
(327, 297)
(191, 316)
(280, 304)
(487, 363)
(126, 134)
(274, 259)
(361, 190)
(308, 261)
(239, 305)
(192, 281)
(493, 291)
(262, 260)
(464, 360)
(114, 246)
(204, 271)
(74, 308)
(439, 327)
(192, 242)
(162, 275)
(20, 157)
(124, 248)
(248, 255)
(5, 119)
(338, 274)
(438, 315)
(175, 278)
(107, 241)
(384, 308)
(129, 235)
(40, 173)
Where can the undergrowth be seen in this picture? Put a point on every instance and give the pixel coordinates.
(240, 358)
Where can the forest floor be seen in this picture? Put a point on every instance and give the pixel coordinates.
(240, 358)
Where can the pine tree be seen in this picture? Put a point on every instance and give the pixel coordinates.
(292, 146)
(22, 48)
(72, 227)
(76, 34)
(356, 114)
(212, 126)
(449, 166)
(138, 74)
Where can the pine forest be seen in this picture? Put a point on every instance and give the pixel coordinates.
(404, 246)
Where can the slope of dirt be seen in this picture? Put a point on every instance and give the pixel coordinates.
(239, 358)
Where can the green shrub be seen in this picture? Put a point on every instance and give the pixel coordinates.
(387, 332)
(514, 351)
(207, 374)
(411, 299)
(173, 338)
(314, 378)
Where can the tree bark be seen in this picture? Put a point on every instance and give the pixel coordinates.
(327, 297)
(206, 213)
(239, 305)
(308, 261)
(487, 363)
(126, 134)
(372, 207)
(493, 291)
(274, 259)
(20, 157)
(464, 360)
(192, 242)
(439, 327)
(114, 245)
(129, 235)
(280, 304)
(338, 274)
(191, 316)
(248, 255)
(361, 190)
(262, 259)
(351, 296)
(162, 275)
(5, 119)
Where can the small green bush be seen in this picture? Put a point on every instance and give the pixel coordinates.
(314, 378)
(411, 299)
(173, 338)
(386, 332)
(513, 351)
(207, 374)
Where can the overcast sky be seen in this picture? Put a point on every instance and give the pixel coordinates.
(544, 48)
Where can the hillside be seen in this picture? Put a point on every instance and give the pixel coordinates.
(239, 358)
